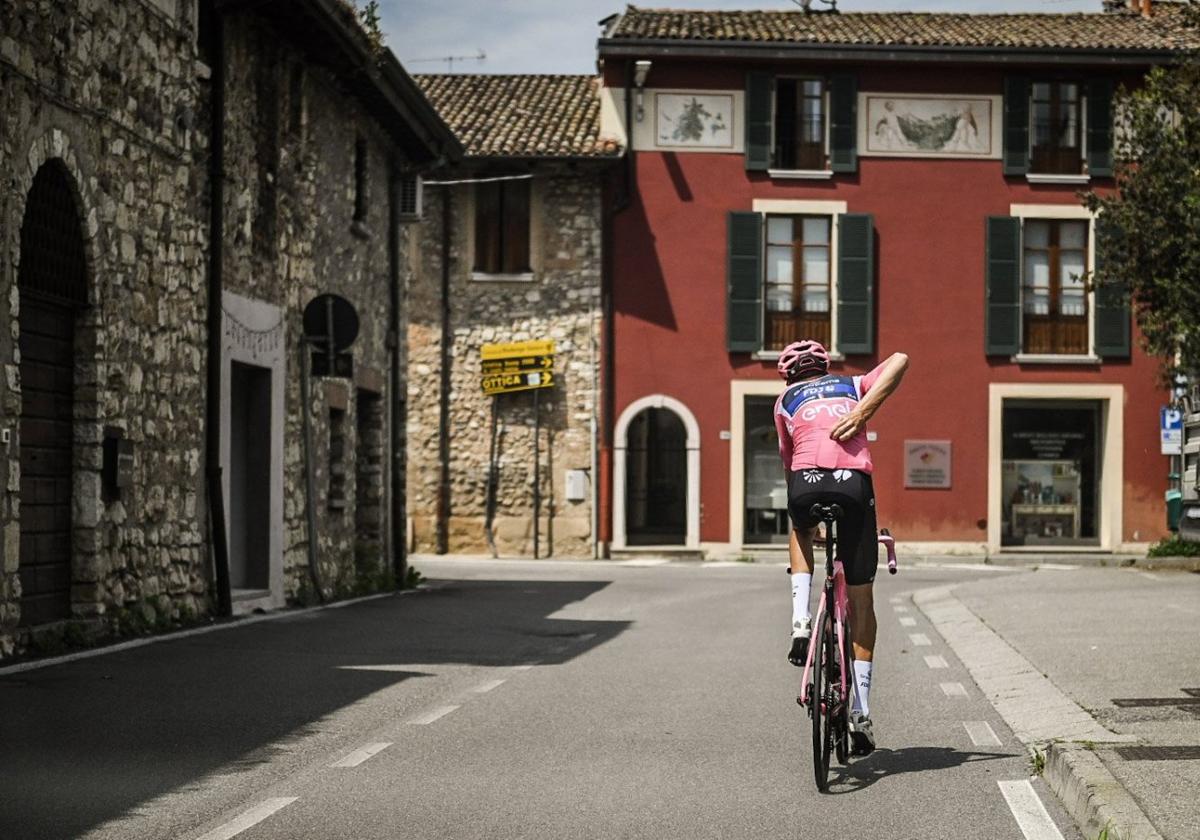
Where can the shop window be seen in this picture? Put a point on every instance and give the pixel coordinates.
(766, 517)
(502, 215)
(799, 132)
(798, 291)
(1050, 473)
(1054, 297)
(1056, 135)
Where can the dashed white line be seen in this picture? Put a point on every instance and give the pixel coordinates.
(249, 818)
(982, 735)
(1029, 812)
(953, 689)
(907, 621)
(900, 609)
(936, 662)
(1057, 567)
(919, 639)
(649, 561)
(360, 755)
(525, 667)
(432, 715)
(895, 600)
(488, 686)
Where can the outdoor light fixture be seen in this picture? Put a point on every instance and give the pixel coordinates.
(641, 70)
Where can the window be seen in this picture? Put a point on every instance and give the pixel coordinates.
(360, 180)
(1056, 137)
(797, 277)
(799, 141)
(1054, 297)
(502, 227)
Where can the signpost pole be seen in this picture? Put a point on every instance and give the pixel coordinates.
(493, 479)
(537, 457)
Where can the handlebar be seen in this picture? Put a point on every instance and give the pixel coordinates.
(886, 540)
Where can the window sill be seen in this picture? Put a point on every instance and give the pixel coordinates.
(1050, 178)
(488, 277)
(808, 174)
(773, 356)
(1048, 359)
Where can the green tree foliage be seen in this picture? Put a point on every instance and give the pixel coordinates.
(1149, 229)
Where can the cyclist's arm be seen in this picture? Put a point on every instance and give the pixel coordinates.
(785, 439)
(890, 374)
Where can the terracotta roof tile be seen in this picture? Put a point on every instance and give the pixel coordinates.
(521, 115)
(1122, 30)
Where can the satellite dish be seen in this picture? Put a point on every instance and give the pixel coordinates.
(331, 320)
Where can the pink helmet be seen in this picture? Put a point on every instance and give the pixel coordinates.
(801, 357)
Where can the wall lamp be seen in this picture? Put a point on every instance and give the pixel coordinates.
(640, 71)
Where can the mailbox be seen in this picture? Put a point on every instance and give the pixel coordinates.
(577, 482)
(117, 472)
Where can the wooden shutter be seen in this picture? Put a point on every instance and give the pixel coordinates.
(745, 283)
(1003, 286)
(856, 283)
(843, 123)
(758, 122)
(1100, 127)
(515, 226)
(1016, 125)
(487, 228)
(1112, 311)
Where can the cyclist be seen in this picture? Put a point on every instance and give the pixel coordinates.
(821, 420)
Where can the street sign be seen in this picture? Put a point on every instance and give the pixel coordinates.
(1170, 427)
(517, 366)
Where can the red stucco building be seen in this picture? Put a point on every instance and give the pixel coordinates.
(884, 182)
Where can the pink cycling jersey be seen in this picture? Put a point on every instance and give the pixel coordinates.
(807, 411)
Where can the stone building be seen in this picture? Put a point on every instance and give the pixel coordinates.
(106, 239)
(510, 251)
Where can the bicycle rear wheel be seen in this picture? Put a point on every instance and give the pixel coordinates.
(821, 699)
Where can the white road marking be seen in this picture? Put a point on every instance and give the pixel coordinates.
(975, 567)
(360, 755)
(586, 637)
(388, 668)
(919, 639)
(525, 667)
(907, 621)
(432, 715)
(982, 735)
(488, 686)
(1029, 812)
(895, 600)
(1182, 609)
(900, 609)
(249, 818)
(1149, 575)
(1057, 567)
(722, 564)
(936, 662)
(953, 689)
(648, 561)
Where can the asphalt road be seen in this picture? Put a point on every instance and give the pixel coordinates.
(512, 700)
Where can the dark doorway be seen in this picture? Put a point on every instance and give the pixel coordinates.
(656, 485)
(52, 280)
(249, 477)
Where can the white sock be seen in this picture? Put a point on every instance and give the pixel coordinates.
(801, 584)
(862, 678)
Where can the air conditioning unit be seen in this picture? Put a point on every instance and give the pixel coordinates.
(411, 190)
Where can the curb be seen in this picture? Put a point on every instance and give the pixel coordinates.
(1092, 795)
(1040, 714)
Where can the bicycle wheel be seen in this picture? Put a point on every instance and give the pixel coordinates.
(842, 736)
(821, 700)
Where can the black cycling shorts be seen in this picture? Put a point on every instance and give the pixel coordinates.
(857, 540)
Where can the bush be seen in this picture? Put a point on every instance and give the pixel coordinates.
(1174, 546)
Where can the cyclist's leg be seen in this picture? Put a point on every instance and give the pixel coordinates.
(859, 548)
(800, 567)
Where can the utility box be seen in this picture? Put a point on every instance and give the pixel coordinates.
(577, 483)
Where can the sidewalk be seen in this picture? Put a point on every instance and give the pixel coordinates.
(1099, 669)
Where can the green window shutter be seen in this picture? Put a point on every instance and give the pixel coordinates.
(1100, 127)
(843, 123)
(745, 283)
(856, 283)
(1112, 311)
(1016, 126)
(758, 122)
(1003, 286)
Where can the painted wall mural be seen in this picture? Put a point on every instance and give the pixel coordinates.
(686, 120)
(928, 126)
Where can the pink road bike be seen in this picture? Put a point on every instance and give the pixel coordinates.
(827, 685)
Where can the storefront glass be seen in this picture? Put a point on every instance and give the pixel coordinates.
(766, 484)
(1050, 473)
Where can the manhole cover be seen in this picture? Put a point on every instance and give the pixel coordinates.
(1159, 753)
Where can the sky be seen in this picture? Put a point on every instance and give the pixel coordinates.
(559, 36)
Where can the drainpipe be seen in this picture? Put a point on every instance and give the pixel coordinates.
(397, 462)
(212, 419)
(443, 501)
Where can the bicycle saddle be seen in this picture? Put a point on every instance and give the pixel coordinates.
(825, 513)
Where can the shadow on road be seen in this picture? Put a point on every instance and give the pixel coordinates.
(86, 742)
(884, 762)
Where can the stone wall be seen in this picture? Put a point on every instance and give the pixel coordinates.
(561, 302)
(109, 91)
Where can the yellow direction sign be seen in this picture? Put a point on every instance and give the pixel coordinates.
(517, 366)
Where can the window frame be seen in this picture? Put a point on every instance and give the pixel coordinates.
(1059, 212)
(532, 232)
(773, 168)
(799, 284)
(1079, 172)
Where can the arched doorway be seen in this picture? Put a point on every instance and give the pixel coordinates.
(656, 475)
(52, 280)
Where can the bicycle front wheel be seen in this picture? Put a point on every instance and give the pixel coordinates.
(821, 699)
